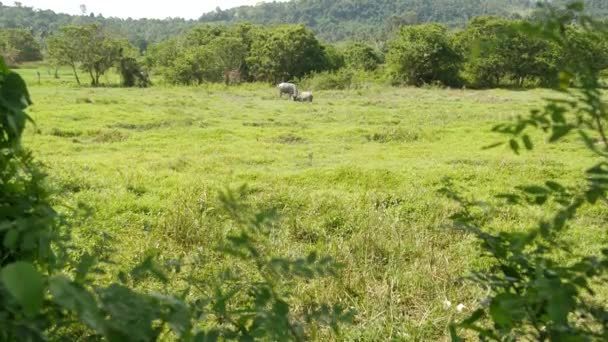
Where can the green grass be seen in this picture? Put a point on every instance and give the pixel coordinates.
(355, 175)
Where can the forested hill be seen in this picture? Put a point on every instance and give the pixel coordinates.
(141, 32)
(332, 20)
(336, 20)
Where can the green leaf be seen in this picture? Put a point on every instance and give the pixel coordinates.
(559, 132)
(475, 316)
(561, 303)
(10, 239)
(527, 142)
(26, 284)
(555, 186)
(86, 262)
(454, 334)
(534, 190)
(14, 92)
(514, 146)
(507, 309)
(76, 299)
(488, 147)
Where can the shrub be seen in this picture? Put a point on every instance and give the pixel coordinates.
(498, 51)
(362, 57)
(534, 295)
(423, 54)
(329, 80)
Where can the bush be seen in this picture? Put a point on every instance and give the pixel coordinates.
(329, 80)
(18, 46)
(423, 54)
(344, 78)
(362, 57)
(499, 51)
(540, 281)
(285, 53)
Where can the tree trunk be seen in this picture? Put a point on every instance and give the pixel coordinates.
(75, 74)
(56, 72)
(227, 77)
(93, 84)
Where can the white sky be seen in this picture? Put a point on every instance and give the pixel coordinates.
(190, 9)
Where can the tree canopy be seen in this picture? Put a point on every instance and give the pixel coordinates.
(335, 20)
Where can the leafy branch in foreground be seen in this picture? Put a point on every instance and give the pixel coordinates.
(534, 294)
(251, 299)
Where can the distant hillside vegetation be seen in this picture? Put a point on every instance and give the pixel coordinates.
(331, 20)
(336, 20)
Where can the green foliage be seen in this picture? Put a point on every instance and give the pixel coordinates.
(285, 53)
(327, 80)
(345, 78)
(18, 46)
(28, 223)
(205, 54)
(534, 294)
(497, 52)
(332, 20)
(362, 57)
(132, 73)
(585, 47)
(228, 55)
(370, 19)
(335, 58)
(423, 54)
(25, 284)
(89, 47)
(241, 52)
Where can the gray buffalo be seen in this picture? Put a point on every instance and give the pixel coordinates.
(303, 97)
(287, 88)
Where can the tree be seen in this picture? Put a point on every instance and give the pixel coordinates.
(64, 49)
(360, 56)
(285, 53)
(132, 73)
(334, 58)
(18, 46)
(497, 51)
(101, 52)
(424, 54)
(229, 54)
(540, 282)
(89, 47)
(586, 47)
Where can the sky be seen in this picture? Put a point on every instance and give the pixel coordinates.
(190, 9)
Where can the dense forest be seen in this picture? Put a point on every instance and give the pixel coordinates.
(331, 20)
(369, 19)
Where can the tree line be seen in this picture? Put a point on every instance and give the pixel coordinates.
(373, 20)
(333, 21)
(489, 52)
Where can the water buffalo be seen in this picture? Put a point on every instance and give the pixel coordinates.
(287, 88)
(303, 97)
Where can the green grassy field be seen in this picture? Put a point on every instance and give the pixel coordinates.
(354, 175)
